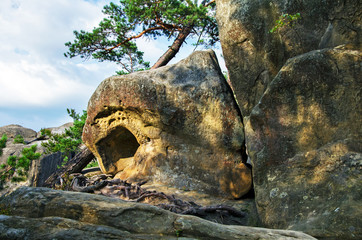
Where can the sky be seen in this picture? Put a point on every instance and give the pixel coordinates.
(37, 83)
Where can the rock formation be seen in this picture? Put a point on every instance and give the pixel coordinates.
(299, 92)
(41, 168)
(13, 130)
(304, 139)
(177, 125)
(40, 213)
(254, 56)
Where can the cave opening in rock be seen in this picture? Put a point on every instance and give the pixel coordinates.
(119, 144)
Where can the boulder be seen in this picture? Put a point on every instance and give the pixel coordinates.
(41, 213)
(14, 227)
(40, 169)
(178, 125)
(305, 142)
(13, 130)
(57, 130)
(254, 56)
(11, 148)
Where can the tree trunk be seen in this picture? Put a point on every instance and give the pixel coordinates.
(173, 50)
(74, 165)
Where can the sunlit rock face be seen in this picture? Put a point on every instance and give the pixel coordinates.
(305, 142)
(177, 125)
(254, 56)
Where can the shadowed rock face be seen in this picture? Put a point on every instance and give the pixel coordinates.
(254, 56)
(304, 139)
(177, 124)
(302, 109)
(119, 145)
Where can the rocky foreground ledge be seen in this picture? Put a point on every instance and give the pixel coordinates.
(42, 213)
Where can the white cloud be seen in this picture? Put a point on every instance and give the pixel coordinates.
(33, 69)
(37, 83)
(152, 49)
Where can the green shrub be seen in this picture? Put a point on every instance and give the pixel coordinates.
(93, 163)
(178, 232)
(17, 179)
(3, 140)
(18, 139)
(285, 20)
(12, 161)
(68, 142)
(45, 132)
(28, 154)
(5, 210)
(19, 164)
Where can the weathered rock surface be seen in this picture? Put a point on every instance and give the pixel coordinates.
(41, 168)
(177, 124)
(305, 142)
(13, 130)
(40, 213)
(11, 148)
(254, 56)
(58, 130)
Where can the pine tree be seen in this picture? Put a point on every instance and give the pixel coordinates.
(114, 39)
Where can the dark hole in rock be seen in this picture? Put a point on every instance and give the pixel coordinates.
(120, 143)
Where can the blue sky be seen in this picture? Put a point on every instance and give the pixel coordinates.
(37, 83)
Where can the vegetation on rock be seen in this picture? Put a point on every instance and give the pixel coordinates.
(114, 38)
(287, 20)
(68, 142)
(3, 140)
(16, 168)
(93, 163)
(18, 139)
(5, 210)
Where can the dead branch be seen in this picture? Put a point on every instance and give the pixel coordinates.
(118, 188)
(74, 165)
(89, 189)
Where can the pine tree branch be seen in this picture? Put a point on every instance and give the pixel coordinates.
(208, 4)
(134, 37)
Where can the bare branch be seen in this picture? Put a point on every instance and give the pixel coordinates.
(124, 66)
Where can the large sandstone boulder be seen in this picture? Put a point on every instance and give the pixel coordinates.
(177, 124)
(254, 56)
(41, 213)
(305, 142)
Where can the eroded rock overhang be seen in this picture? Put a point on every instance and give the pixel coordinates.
(177, 125)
